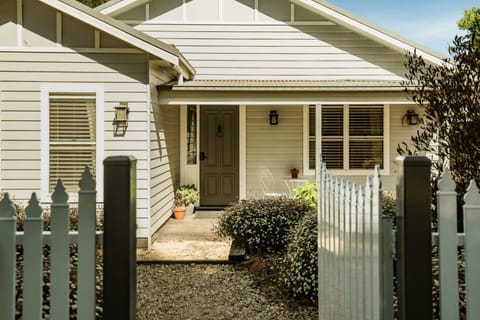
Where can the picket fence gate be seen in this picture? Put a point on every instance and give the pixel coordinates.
(357, 248)
(350, 249)
(33, 238)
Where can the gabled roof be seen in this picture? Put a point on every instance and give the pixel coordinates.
(368, 29)
(119, 30)
(328, 11)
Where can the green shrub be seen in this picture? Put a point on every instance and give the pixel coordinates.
(187, 194)
(299, 267)
(389, 204)
(261, 225)
(309, 193)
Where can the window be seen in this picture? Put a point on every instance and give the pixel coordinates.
(353, 136)
(192, 134)
(71, 138)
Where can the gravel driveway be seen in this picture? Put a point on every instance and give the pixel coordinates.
(213, 292)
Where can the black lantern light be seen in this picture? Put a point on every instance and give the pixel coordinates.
(273, 117)
(120, 122)
(411, 118)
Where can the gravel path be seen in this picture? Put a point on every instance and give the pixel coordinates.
(213, 292)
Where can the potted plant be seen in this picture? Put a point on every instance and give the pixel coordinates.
(179, 206)
(189, 195)
(294, 173)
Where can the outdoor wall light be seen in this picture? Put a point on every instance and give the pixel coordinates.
(273, 117)
(120, 122)
(411, 118)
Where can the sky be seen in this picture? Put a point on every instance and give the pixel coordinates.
(431, 23)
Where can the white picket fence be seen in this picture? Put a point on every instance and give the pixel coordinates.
(350, 249)
(356, 250)
(33, 238)
(449, 240)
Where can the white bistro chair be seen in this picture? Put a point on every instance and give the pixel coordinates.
(267, 183)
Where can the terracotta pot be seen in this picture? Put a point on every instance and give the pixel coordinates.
(294, 173)
(179, 213)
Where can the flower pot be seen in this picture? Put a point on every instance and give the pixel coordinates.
(190, 209)
(179, 213)
(294, 173)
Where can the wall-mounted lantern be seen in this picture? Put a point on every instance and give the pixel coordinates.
(411, 118)
(120, 122)
(273, 117)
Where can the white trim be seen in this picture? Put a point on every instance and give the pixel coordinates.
(255, 12)
(19, 23)
(283, 102)
(59, 27)
(45, 90)
(149, 107)
(220, 10)
(183, 146)
(1, 156)
(97, 39)
(198, 147)
(69, 50)
(121, 7)
(306, 139)
(184, 11)
(242, 147)
(236, 23)
(147, 11)
(292, 13)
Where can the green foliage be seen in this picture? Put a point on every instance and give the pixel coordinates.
(185, 195)
(308, 193)
(449, 95)
(389, 204)
(92, 3)
(470, 22)
(299, 267)
(261, 225)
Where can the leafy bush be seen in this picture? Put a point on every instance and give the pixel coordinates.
(389, 204)
(299, 267)
(309, 193)
(186, 194)
(261, 225)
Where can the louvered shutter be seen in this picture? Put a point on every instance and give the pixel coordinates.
(365, 137)
(72, 137)
(332, 136)
(311, 137)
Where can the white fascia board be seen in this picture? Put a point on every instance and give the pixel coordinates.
(366, 30)
(122, 6)
(105, 27)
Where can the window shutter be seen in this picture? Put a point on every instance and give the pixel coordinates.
(365, 137)
(72, 137)
(332, 136)
(311, 137)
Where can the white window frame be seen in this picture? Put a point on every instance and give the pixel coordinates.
(45, 91)
(306, 147)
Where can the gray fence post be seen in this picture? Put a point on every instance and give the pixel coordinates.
(119, 258)
(414, 238)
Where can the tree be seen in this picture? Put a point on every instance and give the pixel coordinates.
(470, 22)
(92, 3)
(450, 127)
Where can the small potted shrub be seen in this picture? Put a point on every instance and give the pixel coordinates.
(179, 206)
(189, 195)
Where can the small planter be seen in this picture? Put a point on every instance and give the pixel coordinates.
(190, 209)
(179, 213)
(294, 173)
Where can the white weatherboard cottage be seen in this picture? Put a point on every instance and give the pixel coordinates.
(200, 79)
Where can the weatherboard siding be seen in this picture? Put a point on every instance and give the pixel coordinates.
(266, 44)
(124, 79)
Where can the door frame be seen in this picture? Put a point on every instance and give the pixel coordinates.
(190, 173)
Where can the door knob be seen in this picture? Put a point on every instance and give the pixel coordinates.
(202, 156)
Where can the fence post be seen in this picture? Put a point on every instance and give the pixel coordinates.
(414, 238)
(119, 265)
(8, 222)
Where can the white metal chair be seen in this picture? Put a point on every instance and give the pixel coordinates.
(267, 183)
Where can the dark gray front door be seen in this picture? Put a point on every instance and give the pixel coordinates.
(218, 155)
